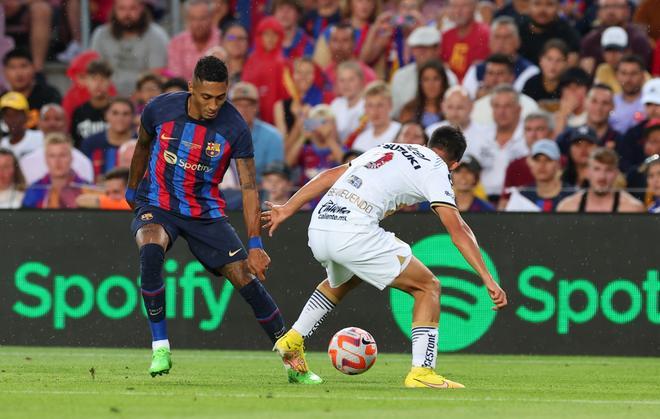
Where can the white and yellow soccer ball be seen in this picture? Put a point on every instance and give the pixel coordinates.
(352, 350)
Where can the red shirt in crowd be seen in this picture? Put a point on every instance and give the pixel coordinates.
(460, 52)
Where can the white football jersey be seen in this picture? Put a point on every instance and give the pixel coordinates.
(379, 182)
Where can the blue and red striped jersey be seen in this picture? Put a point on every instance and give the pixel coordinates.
(189, 157)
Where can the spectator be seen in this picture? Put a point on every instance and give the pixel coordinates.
(615, 43)
(348, 106)
(342, 44)
(573, 85)
(499, 70)
(377, 109)
(546, 190)
(424, 43)
(636, 178)
(613, 13)
(53, 120)
(457, 108)
(218, 52)
(61, 186)
(266, 66)
(495, 153)
(267, 141)
(12, 182)
(385, 47)
(598, 107)
(276, 184)
(504, 39)
(102, 148)
(544, 87)
(131, 43)
(601, 195)
(581, 143)
(318, 148)
(647, 18)
(223, 15)
(631, 148)
(628, 107)
(537, 126)
(465, 179)
(426, 107)
(126, 152)
(175, 84)
(148, 87)
(186, 48)
(543, 24)
(297, 43)
(20, 74)
(652, 169)
(114, 188)
(235, 40)
(325, 13)
(303, 92)
(515, 9)
(411, 133)
(6, 45)
(88, 118)
(29, 23)
(14, 110)
(467, 42)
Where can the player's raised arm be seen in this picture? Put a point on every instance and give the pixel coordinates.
(315, 187)
(138, 164)
(258, 260)
(464, 239)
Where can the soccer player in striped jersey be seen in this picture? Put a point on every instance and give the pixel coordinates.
(185, 144)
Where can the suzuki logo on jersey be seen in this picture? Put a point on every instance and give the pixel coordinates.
(380, 162)
(171, 158)
(410, 153)
(213, 150)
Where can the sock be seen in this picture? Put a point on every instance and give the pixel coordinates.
(315, 311)
(265, 309)
(152, 257)
(424, 344)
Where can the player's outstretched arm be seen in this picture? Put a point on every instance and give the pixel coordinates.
(258, 259)
(138, 164)
(464, 239)
(315, 187)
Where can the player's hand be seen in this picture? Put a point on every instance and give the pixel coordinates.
(496, 294)
(258, 262)
(272, 218)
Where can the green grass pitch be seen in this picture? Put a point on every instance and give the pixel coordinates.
(114, 383)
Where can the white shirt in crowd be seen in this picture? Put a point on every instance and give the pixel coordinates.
(31, 141)
(11, 198)
(347, 118)
(474, 133)
(378, 183)
(34, 166)
(482, 111)
(404, 86)
(368, 140)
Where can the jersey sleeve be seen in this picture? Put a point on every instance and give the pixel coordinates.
(436, 186)
(148, 118)
(243, 148)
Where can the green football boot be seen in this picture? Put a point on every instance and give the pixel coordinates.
(161, 362)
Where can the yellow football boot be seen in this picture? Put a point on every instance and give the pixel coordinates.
(420, 377)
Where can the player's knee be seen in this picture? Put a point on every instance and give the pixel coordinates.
(152, 234)
(431, 287)
(152, 257)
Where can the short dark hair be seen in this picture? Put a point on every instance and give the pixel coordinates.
(343, 26)
(296, 4)
(449, 139)
(602, 86)
(17, 53)
(210, 68)
(574, 75)
(503, 60)
(117, 173)
(176, 82)
(555, 43)
(632, 59)
(119, 99)
(148, 77)
(99, 68)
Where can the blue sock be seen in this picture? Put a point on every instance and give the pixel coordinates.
(265, 309)
(152, 257)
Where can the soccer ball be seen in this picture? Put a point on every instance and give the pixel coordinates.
(352, 350)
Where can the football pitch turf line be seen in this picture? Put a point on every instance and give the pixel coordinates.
(57, 382)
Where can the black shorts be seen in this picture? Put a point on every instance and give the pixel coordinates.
(213, 242)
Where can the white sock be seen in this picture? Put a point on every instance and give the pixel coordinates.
(424, 345)
(163, 343)
(315, 311)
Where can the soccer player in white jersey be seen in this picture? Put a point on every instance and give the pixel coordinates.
(345, 237)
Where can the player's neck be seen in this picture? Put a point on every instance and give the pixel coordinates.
(192, 111)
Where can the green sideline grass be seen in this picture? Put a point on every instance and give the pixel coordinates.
(38, 383)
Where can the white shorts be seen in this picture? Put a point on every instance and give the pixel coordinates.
(376, 257)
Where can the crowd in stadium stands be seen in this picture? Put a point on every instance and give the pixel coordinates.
(559, 100)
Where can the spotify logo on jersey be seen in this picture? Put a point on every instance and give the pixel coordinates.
(466, 312)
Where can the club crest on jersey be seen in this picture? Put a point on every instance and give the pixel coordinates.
(381, 161)
(147, 216)
(213, 150)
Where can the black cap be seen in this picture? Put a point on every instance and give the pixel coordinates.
(583, 133)
(574, 75)
(278, 168)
